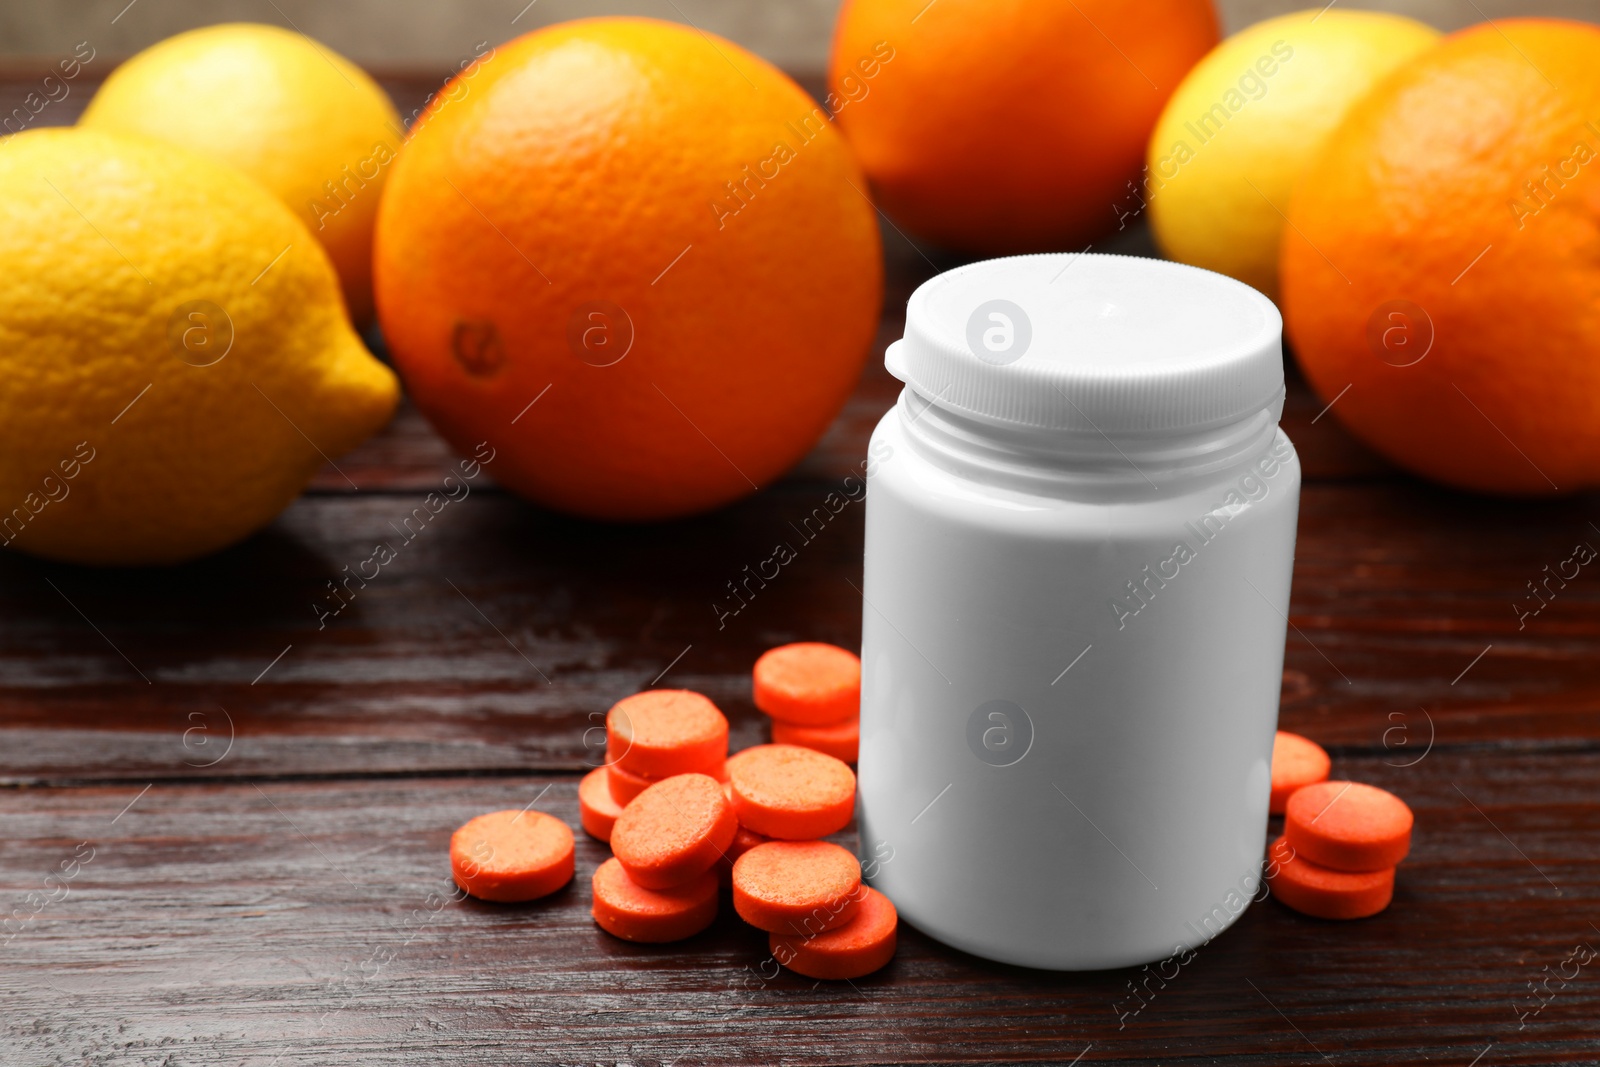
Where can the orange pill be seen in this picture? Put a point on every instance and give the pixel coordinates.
(663, 732)
(808, 684)
(512, 856)
(597, 808)
(1323, 892)
(1296, 762)
(842, 740)
(1348, 826)
(674, 831)
(628, 910)
(797, 887)
(851, 951)
(743, 841)
(791, 793)
(625, 785)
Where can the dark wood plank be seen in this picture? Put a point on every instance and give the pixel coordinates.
(487, 644)
(291, 923)
(440, 663)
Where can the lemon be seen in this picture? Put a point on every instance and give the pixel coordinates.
(303, 121)
(175, 360)
(1247, 120)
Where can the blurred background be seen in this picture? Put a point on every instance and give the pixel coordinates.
(389, 34)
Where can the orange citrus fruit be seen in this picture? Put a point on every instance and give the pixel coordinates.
(636, 260)
(1440, 281)
(1000, 126)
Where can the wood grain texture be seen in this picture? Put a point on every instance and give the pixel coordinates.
(440, 664)
(310, 923)
(264, 800)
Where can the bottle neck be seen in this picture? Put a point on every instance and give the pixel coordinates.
(1082, 465)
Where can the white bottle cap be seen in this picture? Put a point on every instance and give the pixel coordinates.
(1080, 341)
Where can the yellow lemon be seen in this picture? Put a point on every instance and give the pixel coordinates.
(306, 123)
(175, 361)
(1247, 120)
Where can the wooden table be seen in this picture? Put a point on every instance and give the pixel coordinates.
(248, 816)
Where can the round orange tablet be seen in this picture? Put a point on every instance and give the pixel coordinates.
(674, 831)
(842, 740)
(858, 948)
(663, 732)
(791, 793)
(1296, 762)
(512, 856)
(625, 785)
(797, 887)
(1325, 893)
(1348, 826)
(808, 684)
(597, 808)
(628, 910)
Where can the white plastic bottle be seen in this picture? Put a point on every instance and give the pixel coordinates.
(1079, 538)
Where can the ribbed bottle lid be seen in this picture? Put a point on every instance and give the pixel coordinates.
(1080, 341)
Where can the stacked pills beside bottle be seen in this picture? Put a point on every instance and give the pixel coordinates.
(1341, 840)
(812, 694)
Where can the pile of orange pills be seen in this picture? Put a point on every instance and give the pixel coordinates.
(686, 823)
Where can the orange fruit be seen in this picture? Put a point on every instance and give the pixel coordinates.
(1439, 272)
(635, 259)
(1002, 126)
